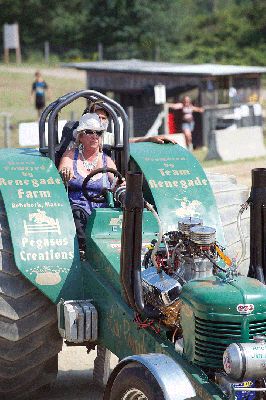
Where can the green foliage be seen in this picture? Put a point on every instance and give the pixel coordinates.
(234, 33)
(194, 31)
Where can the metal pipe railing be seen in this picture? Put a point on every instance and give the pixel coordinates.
(44, 116)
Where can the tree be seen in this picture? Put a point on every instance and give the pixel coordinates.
(194, 31)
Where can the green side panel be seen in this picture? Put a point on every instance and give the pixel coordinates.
(41, 223)
(178, 185)
(119, 333)
(117, 329)
(103, 232)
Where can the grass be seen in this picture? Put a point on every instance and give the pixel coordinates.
(15, 88)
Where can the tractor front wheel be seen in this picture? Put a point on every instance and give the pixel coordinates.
(29, 339)
(135, 382)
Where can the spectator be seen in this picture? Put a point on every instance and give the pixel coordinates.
(39, 87)
(188, 123)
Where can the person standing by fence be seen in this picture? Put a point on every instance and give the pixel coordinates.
(187, 109)
(39, 87)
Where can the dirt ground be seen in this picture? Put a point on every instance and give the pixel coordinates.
(241, 170)
(74, 381)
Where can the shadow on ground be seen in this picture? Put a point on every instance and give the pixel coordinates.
(74, 381)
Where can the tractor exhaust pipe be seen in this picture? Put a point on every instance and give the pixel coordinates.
(257, 199)
(131, 234)
(130, 259)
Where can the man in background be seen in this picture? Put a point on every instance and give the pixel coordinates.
(39, 87)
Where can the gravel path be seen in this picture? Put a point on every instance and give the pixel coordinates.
(55, 72)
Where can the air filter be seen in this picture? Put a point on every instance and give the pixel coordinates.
(186, 223)
(203, 235)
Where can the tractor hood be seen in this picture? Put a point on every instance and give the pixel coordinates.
(215, 295)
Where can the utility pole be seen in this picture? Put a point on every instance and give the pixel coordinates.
(100, 51)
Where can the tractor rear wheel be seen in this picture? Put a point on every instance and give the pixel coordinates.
(29, 339)
(229, 197)
(135, 382)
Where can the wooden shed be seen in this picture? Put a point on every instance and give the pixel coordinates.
(218, 88)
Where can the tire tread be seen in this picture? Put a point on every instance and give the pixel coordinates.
(29, 340)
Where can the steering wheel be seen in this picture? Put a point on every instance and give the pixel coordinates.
(101, 197)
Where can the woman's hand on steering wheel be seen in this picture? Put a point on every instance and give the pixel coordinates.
(101, 197)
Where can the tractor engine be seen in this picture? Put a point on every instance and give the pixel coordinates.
(181, 256)
(183, 253)
(202, 298)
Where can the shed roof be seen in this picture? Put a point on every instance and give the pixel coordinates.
(140, 66)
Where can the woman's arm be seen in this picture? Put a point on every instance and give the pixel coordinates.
(65, 167)
(175, 106)
(154, 139)
(198, 109)
(110, 164)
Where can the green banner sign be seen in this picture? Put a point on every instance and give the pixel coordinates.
(41, 224)
(178, 185)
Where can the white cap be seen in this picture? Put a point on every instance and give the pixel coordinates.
(90, 121)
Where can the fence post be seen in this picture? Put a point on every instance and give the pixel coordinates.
(165, 120)
(46, 52)
(6, 128)
(130, 112)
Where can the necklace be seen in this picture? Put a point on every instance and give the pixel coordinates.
(89, 165)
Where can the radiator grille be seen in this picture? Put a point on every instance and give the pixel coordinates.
(257, 328)
(211, 340)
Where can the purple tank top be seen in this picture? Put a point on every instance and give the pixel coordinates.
(75, 194)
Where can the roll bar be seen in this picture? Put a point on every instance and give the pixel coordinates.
(112, 107)
(44, 116)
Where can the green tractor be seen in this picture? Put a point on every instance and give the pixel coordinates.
(164, 281)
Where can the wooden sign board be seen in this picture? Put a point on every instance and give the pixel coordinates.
(11, 41)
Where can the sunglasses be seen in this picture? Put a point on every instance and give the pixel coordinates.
(91, 132)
